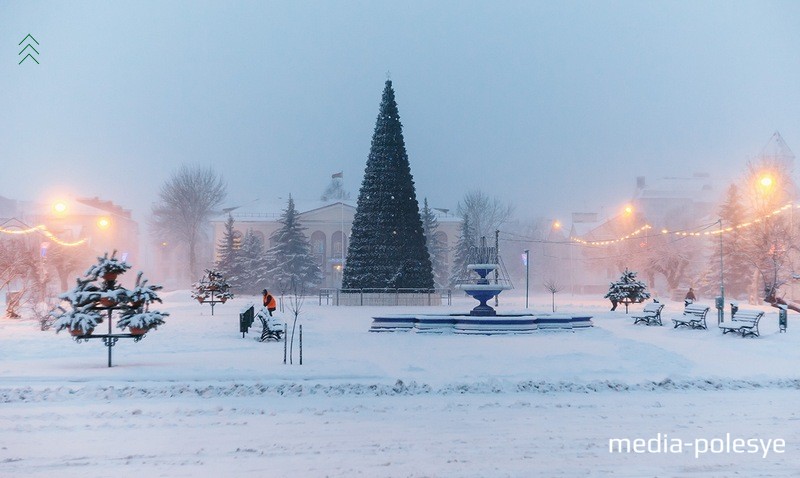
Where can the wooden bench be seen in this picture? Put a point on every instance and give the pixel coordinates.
(743, 322)
(694, 316)
(270, 326)
(651, 315)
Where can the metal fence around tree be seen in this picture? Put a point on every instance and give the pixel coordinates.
(385, 297)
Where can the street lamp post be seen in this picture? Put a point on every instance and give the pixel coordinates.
(721, 305)
(527, 269)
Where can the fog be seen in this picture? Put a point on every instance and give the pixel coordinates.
(554, 106)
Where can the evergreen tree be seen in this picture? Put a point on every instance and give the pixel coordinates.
(227, 251)
(466, 241)
(387, 245)
(251, 265)
(628, 290)
(737, 271)
(291, 262)
(437, 251)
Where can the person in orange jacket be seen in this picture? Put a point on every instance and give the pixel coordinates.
(269, 302)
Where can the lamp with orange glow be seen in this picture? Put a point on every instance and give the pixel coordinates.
(60, 208)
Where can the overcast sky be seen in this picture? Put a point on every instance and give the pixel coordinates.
(556, 106)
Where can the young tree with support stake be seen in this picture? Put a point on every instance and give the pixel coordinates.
(553, 287)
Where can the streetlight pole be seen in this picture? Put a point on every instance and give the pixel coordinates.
(496, 261)
(721, 313)
(527, 268)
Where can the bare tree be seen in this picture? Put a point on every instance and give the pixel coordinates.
(23, 269)
(770, 240)
(554, 287)
(296, 300)
(67, 260)
(485, 214)
(19, 269)
(186, 203)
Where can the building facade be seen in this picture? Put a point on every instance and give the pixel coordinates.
(328, 228)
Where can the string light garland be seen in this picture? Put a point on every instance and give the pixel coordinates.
(42, 229)
(612, 241)
(686, 233)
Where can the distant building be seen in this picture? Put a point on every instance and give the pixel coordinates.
(327, 226)
(97, 225)
(103, 225)
(669, 203)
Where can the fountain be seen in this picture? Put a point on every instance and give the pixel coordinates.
(482, 319)
(483, 290)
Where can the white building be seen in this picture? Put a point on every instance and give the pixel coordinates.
(328, 226)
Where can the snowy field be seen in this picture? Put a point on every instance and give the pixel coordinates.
(194, 398)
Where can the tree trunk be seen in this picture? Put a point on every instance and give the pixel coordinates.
(192, 259)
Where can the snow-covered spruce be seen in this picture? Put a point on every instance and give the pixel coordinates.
(292, 266)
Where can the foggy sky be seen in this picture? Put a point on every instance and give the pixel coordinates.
(556, 106)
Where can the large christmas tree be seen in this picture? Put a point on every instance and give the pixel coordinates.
(387, 244)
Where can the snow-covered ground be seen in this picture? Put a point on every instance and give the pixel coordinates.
(194, 398)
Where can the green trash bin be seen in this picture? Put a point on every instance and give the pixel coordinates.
(782, 319)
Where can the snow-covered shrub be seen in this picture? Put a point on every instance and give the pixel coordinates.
(97, 294)
(213, 283)
(107, 267)
(627, 290)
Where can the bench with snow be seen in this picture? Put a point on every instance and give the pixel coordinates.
(271, 329)
(744, 322)
(651, 314)
(694, 316)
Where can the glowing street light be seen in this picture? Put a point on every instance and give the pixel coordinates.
(766, 182)
(103, 223)
(60, 207)
(628, 210)
(556, 224)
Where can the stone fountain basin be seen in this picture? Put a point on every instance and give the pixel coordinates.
(467, 324)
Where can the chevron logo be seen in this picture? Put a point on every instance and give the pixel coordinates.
(32, 51)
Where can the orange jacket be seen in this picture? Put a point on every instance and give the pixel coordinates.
(269, 302)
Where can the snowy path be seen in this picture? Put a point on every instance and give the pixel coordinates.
(479, 435)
